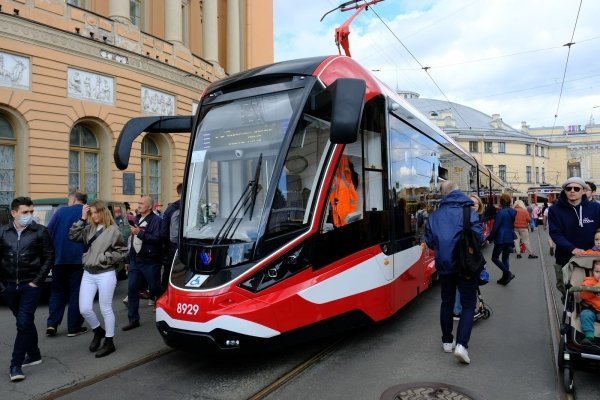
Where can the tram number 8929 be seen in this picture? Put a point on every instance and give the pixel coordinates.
(187, 309)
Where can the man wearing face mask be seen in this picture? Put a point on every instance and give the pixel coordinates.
(26, 255)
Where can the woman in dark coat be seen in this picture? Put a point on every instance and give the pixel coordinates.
(503, 236)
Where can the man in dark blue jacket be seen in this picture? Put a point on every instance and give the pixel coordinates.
(26, 255)
(503, 235)
(573, 222)
(442, 233)
(145, 256)
(67, 270)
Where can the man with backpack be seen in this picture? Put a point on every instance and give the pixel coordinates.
(169, 233)
(442, 233)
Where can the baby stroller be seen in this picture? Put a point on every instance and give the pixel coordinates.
(571, 352)
(482, 311)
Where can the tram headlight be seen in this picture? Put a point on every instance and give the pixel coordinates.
(282, 269)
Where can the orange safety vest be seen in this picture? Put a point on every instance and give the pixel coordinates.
(342, 196)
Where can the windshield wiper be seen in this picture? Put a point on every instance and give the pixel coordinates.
(245, 202)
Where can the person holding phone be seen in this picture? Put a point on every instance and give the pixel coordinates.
(104, 250)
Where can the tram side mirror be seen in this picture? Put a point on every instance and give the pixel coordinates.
(136, 126)
(347, 103)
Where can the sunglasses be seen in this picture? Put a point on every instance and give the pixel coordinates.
(572, 189)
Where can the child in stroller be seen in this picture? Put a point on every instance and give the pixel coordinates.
(580, 328)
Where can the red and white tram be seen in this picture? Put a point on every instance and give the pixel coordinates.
(306, 190)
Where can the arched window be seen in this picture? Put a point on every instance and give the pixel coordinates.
(83, 161)
(8, 144)
(150, 169)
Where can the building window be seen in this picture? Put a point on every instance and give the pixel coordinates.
(537, 174)
(528, 149)
(528, 174)
(537, 150)
(83, 161)
(502, 172)
(501, 147)
(490, 167)
(135, 12)
(542, 152)
(543, 174)
(8, 146)
(150, 169)
(473, 147)
(487, 147)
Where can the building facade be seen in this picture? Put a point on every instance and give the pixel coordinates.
(529, 159)
(73, 72)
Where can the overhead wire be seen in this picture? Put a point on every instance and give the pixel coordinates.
(424, 68)
(571, 43)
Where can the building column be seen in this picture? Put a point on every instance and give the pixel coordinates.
(118, 10)
(233, 36)
(210, 31)
(173, 22)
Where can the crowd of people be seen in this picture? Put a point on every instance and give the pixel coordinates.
(573, 222)
(83, 246)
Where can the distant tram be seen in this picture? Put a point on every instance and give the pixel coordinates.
(307, 188)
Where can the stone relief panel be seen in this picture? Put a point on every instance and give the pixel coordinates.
(89, 86)
(14, 71)
(155, 102)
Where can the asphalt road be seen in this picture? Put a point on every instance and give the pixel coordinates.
(512, 355)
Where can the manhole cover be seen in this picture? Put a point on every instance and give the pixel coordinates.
(428, 391)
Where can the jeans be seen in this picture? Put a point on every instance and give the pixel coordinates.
(66, 280)
(587, 318)
(22, 299)
(505, 249)
(104, 284)
(468, 297)
(138, 270)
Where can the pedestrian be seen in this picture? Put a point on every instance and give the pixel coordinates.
(442, 234)
(105, 249)
(522, 229)
(572, 223)
(26, 254)
(590, 306)
(144, 259)
(546, 224)
(590, 191)
(531, 220)
(503, 236)
(67, 270)
(535, 215)
(478, 207)
(168, 235)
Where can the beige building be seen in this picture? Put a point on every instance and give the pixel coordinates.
(72, 73)
(527, 159)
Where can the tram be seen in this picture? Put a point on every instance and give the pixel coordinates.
(306, 191)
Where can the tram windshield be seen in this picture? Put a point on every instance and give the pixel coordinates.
(232, 165)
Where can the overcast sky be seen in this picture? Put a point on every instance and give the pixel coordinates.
(502, 57)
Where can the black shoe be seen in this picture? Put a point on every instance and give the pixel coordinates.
(532, 256)
(99, 333)
(51, 331)
(132, 325)
(16, 374)
(590, 343)
(107, 348)
(518, 256)
(507, 279)
(78, 332)
(29, 361)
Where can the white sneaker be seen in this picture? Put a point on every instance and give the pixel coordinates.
(449, 347)
(126, 300)
(462, 354)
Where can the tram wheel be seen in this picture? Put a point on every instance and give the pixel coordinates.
(568, 380)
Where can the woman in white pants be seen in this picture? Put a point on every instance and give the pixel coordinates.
(105, 248)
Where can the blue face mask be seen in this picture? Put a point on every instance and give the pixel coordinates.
(25, 220)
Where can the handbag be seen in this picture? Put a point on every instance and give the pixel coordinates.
(468, 250)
